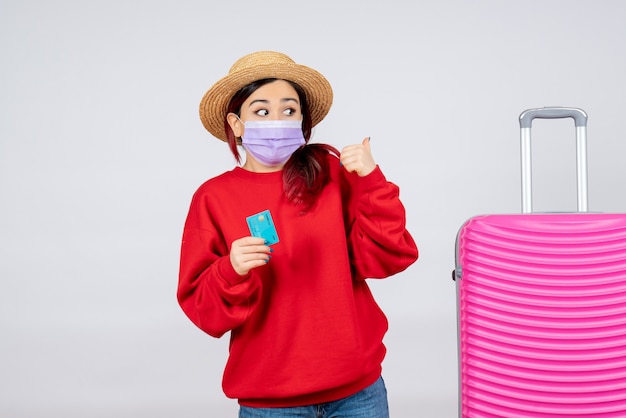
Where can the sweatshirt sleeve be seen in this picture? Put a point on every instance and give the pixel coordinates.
(210, 292)
(379, 242)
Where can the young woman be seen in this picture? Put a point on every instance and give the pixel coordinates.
(306, 335)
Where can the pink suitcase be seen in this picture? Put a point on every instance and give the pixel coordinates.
(542, 304)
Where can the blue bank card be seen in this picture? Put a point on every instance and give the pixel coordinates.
(261, 225)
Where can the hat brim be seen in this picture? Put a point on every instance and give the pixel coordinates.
(214, 104)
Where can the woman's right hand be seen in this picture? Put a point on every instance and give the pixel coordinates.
(247, 253)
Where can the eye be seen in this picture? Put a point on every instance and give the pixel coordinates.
(289, 111)
(262, 112)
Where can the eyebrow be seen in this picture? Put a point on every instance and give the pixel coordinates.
(285, 100)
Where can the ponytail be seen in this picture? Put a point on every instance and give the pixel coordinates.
(306, 173)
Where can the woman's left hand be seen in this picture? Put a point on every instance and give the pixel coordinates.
(358, 158)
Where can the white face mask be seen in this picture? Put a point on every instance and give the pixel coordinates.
(272, 142)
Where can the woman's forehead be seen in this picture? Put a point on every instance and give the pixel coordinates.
(279, 89)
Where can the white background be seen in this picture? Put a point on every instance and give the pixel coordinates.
(101, 149)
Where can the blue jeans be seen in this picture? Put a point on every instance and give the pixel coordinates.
(371, 402)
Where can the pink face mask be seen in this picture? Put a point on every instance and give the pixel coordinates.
(272, 142)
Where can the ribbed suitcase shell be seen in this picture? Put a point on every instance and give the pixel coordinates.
(542, 315)
(542, 304)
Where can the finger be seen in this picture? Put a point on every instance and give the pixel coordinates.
(250, 245)
(350, 153)
(253, 258)
(248, 241)
(366, 143)
(255, 251)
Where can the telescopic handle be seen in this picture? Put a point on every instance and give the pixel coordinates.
(527, 116)
(580, 119)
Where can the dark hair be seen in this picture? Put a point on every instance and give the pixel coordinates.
(307, 171)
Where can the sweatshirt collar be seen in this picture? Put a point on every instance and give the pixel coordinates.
(261, 178)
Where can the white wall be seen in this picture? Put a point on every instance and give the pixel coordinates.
(101, 148)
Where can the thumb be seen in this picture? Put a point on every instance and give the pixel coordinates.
(366, 143)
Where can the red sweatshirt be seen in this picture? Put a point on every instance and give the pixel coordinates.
(304, 328)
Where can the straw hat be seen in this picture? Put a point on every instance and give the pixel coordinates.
(257, 66)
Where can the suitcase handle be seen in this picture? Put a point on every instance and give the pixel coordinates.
(580, 119)
(579, 115)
